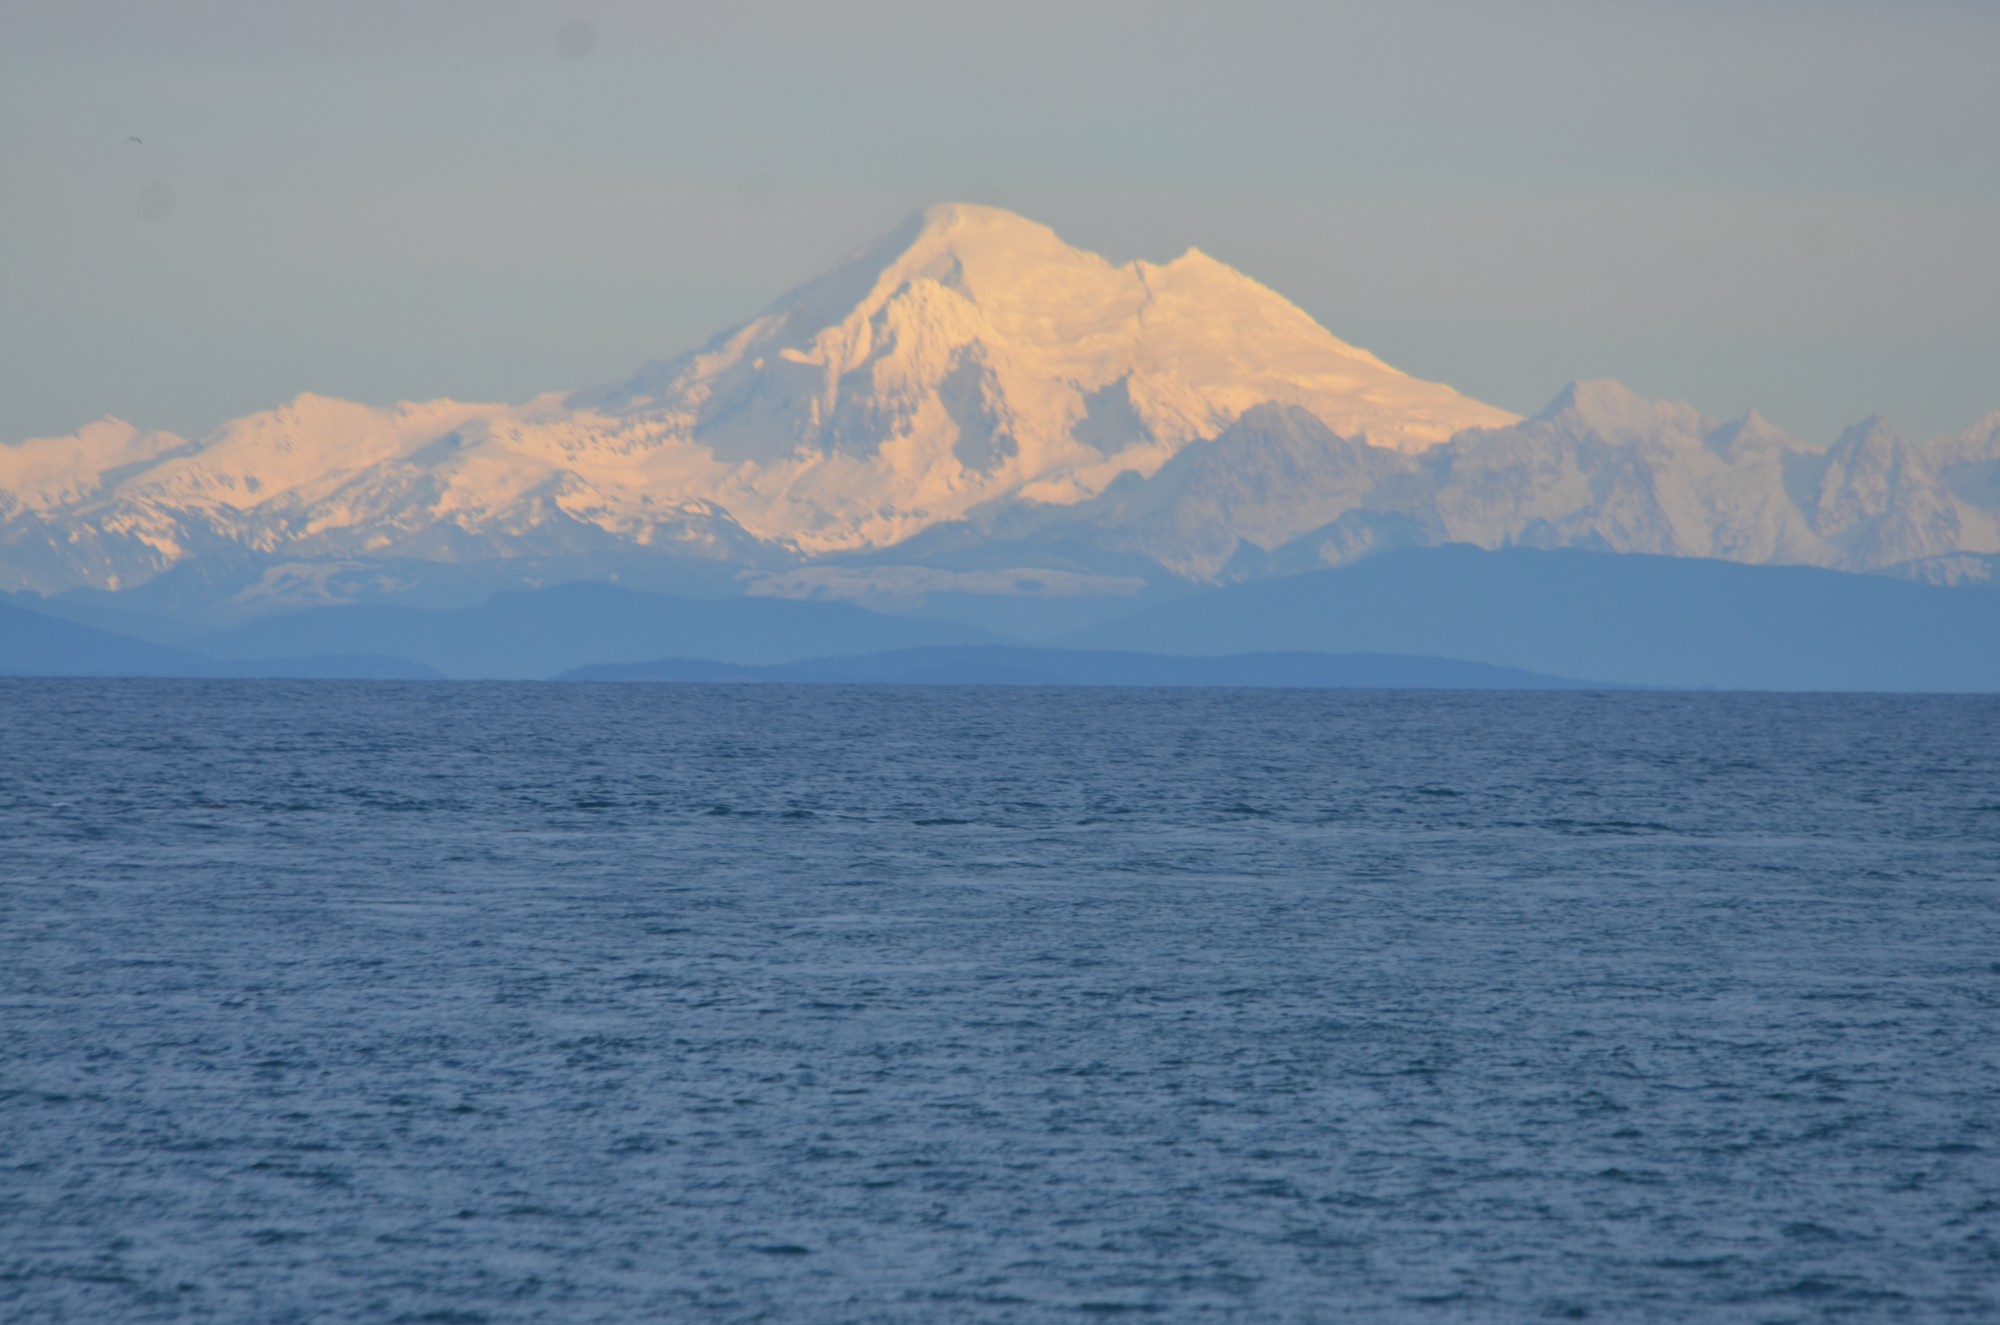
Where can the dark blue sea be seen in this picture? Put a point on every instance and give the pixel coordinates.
(361, 1002)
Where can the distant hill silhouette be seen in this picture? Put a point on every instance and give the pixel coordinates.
(537, 633)
(1084, 667)
(37, 644)
(1654, 621)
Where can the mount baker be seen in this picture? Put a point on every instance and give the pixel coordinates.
(969, 403)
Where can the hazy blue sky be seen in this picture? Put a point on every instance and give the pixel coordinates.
(1794, 206)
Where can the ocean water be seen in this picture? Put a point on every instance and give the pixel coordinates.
(455, 1003)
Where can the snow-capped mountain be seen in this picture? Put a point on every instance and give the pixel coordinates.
(966, 399)
(968, 357)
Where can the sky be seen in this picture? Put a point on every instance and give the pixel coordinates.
(208, 208)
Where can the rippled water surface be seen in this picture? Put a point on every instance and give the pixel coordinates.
(358, 1002)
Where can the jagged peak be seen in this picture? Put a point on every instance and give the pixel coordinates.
(1873, 432)
(1986, 428)
(1979, 442)
(1616, 411)
(1595, 395)
(1752, 431)
(1872, 446)
(1281, 418)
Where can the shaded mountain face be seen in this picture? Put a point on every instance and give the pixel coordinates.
(1603, 469)
(1600, 469)
(967, 406)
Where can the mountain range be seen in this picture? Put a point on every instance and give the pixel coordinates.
(1600, 469)
(989, 437)
(968, 406)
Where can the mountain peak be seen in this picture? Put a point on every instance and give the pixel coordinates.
(1595, 396)
(976, 341)
(1749, 435)
(973, 231)
(954, 218)
(1873, 432)
(1615, 410)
